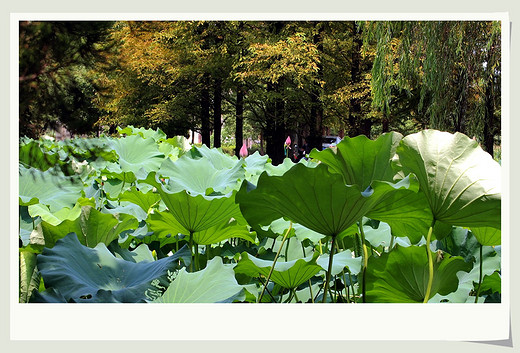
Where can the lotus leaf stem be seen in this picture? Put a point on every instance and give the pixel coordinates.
(329, 270)
(480, 276)
(365, 259)
(274, 262)
(430, 263)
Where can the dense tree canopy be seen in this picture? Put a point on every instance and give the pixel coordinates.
(301, 79)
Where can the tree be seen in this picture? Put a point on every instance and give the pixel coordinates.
(445, 74)
(56, 85)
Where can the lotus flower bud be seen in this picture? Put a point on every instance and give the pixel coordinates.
(243, 151)
(288, 141)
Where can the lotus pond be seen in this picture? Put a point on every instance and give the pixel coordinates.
(143, 218)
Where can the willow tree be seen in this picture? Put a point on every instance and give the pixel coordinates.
(441, 74)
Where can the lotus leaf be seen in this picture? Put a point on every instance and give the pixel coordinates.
(91, 227)
(196, 213)
(198, 175)
(48, 188)
(401, 276)
(312, 197)
(361, 160)
(289, 274)
(460, 181)
(137, 155)
(214, 284)
(340, 261)
(87, 275)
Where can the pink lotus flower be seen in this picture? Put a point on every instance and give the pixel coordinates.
(243, 151)
(288, 141)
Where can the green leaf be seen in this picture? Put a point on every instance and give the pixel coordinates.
(216, 157)
(31, 155)
(406, 212)
(87, 275)
(214, 284)
(137, 155)
(340, 261)
(223, 231)
(401, 276)
(91, 227)
(48, 188)
(487, 235)
(460, 181)
(361, 160)
(196, 213)
(492, 283)
(164, 224)
(198, 175)
(143, 200)
(29, 276)
(288, 274)
(312, 197)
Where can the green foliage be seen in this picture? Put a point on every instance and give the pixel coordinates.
(155, 220)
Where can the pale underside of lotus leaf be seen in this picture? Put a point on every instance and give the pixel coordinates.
(48, 188)
(460, 181)
(137, 155)
(214, 284)
(198, 175)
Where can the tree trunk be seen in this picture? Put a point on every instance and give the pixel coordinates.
(274, 133)
(239, 130)
(217, 113)
(205, 105)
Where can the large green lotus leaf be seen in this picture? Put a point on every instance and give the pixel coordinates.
(214, 284)
(223, 231)
(461, 181)
(137, 155)
(89, 275)
(401, 276)
(467, 280)
(407, 213)
(215, 156)
(156, 135)
(164, 224)
(340, 261)
(487, 235)
(127, 208)
(255, 163)
(196, 213)
(313, 197)
(289, 274)
(361, 160)
(144, 200)
(39, 210)
(91, 227)
(48, 188)
(198, 175)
